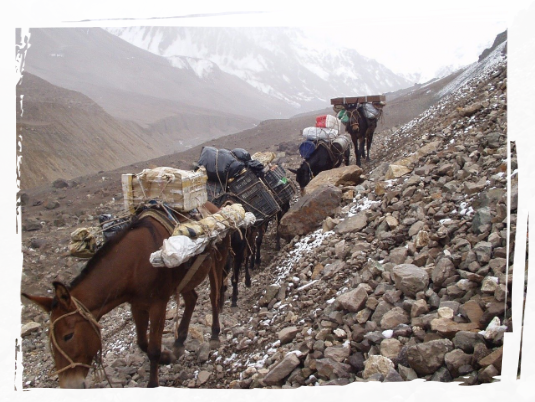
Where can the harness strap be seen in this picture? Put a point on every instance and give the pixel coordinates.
(191, 271)
(335, 159)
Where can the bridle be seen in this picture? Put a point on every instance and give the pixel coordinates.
(86, 314)
(354, 122)
(309, 169)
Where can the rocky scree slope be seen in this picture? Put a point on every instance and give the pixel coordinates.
(407, 277)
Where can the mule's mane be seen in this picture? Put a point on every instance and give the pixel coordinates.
(110, 244)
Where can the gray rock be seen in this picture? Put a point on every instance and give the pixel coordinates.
(352, 224)
(455, 360)
(377, 364)
(481, 220)
(331, 369)
(443, 270)
(287, 334)
(410, 279)
(394, 317)
(282, 369)
(425, 358)
(60, 183)
(31, 226)
(338, 353)
(352, 301)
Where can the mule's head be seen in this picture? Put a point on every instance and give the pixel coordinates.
(303, 175)
(74, 336)
(353, 124)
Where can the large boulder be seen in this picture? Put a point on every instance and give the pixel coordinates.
(342, 176)
(308, 213)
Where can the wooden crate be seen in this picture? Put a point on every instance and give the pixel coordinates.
(179, 189)
(350, 100)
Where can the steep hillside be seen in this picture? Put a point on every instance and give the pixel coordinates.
(65, 134)
(406, 277)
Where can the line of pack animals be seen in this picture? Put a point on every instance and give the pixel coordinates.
(181, 227)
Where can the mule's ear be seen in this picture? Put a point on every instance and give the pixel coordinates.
(294, 171)
(44, 302)
(62, 294)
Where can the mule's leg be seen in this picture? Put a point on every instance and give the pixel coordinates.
(154, 350)
(190, 299)
(357, 151)
(141, 319)
(216, 278)
(277, 237)
(224, 287)
(259, 240)
(250, 254)
(362, 146)
(369, 137)
(238, 246)
(237, 263)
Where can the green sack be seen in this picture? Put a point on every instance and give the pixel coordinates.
(342, 115)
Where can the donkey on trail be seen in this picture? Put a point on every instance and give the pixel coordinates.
(120, 272)
(326, 156)
(361, 130)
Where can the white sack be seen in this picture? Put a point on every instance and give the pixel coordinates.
(176, 250)
(334, 123)
(319, 133)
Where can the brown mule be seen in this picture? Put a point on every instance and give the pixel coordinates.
(121, 272)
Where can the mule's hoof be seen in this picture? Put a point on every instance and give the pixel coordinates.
(167, 357)
(214, 343)
(248, 282)
(179, 350)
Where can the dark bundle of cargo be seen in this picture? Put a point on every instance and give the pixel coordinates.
(221, 165)
(277, 181)
(234, 176)
(252, 164)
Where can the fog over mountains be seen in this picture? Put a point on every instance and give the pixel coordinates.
(280, 62)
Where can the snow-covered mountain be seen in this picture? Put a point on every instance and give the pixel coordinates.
(280, 62)
(54, 41)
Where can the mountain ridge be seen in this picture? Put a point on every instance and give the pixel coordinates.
(305, 75)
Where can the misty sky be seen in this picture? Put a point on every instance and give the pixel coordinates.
(406, 36)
